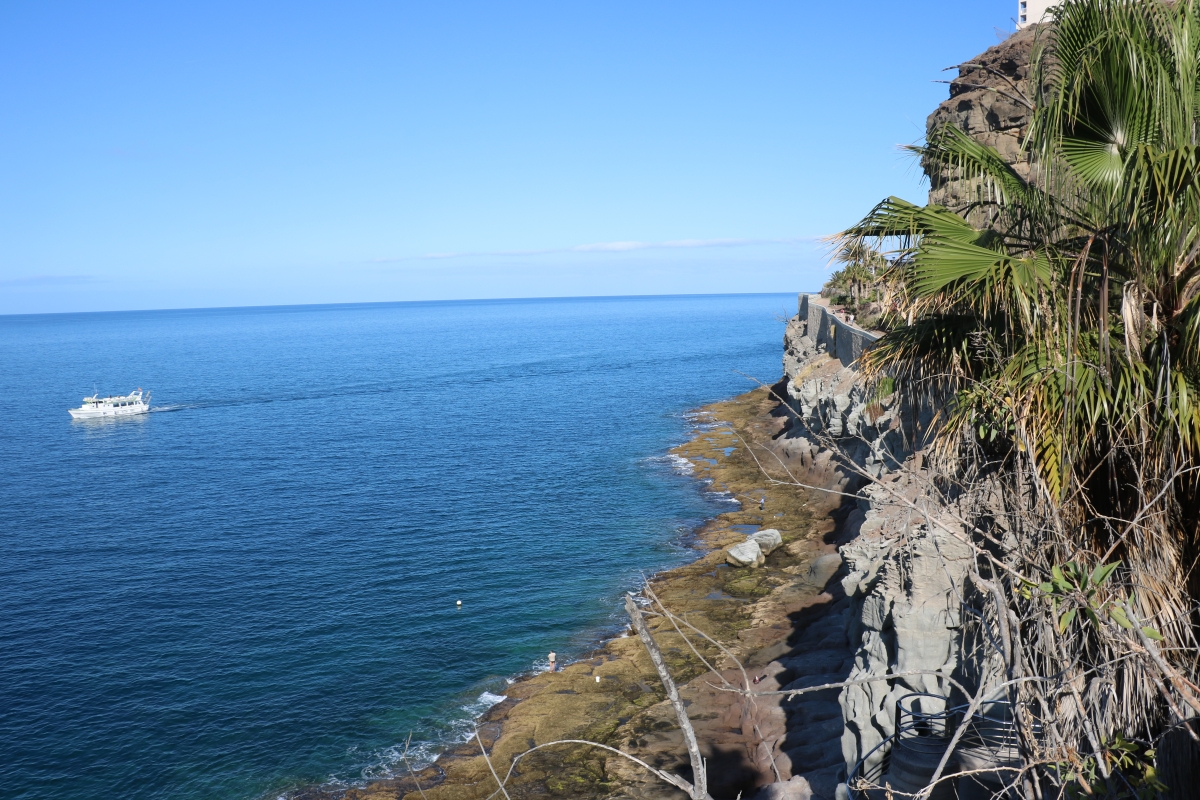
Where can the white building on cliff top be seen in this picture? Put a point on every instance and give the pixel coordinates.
(1031, 12)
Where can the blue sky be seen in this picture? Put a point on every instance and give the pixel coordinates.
(164, 155)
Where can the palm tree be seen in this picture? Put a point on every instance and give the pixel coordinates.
(860, 275)
(1058, 317)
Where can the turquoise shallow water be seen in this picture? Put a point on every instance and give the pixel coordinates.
(254, 586)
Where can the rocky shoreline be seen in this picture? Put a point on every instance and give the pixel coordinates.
(812, 581)
(760, 614)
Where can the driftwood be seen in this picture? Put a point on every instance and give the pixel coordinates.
(699, 788)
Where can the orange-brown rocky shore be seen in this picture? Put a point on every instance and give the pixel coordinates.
(784, 621)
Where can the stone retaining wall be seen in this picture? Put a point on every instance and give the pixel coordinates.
(839, 338)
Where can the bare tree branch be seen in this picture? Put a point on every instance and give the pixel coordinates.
(699, 789)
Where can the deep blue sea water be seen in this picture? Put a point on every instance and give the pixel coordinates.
(254, 586)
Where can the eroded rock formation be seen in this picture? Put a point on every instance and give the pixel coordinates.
(905, 575)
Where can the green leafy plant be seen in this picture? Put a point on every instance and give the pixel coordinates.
(1131, 768)
(1072, 588)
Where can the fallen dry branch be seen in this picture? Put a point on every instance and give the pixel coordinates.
(699, 789)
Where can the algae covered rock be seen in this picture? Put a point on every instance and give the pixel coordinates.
(746, 554)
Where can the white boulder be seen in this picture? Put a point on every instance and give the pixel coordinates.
(768, 540)
(746, 554)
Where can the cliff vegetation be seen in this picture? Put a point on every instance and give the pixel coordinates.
(1045, 310)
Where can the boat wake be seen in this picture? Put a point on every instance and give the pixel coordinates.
(170, 407)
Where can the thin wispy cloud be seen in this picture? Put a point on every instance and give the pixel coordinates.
(47, 280)
(607, 247)
(622, 247)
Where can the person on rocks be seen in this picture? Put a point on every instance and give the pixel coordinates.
(553, 665)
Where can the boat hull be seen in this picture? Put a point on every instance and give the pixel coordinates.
(103, 413)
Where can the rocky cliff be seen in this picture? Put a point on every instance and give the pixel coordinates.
(904, 574)
(990, 101)
(905, 571)
(827, 394)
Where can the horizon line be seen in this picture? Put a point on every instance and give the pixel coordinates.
(407, 302)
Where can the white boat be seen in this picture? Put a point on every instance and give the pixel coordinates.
(95, 407)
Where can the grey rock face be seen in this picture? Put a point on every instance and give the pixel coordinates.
(907, 576)
(904, 613)
(904, 578)
(908, 619)
(829, 397)
(986, 103)
(834, 401)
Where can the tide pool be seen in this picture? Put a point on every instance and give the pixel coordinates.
(254, 586)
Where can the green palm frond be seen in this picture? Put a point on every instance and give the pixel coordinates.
(951, 150)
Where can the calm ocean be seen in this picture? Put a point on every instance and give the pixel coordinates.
(254, 586)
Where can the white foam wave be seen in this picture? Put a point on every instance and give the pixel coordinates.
(488, 699)
(388, 762)
(681, 464)
(642, 602)
(705, 421)
(391, 759)
(723, 497)
(678, 464)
